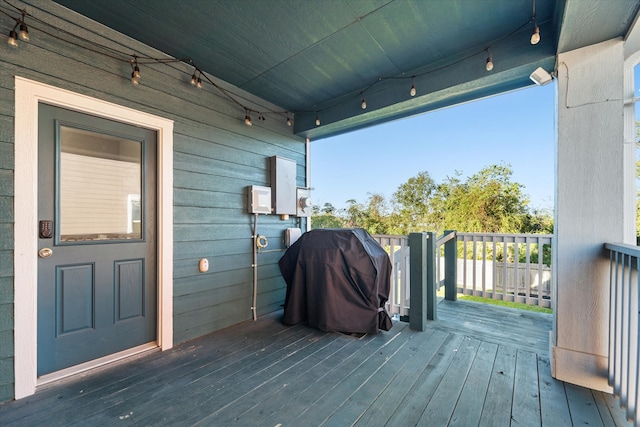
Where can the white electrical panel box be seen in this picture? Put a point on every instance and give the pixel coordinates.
(283, 185)
(304, 204)
(259, 200)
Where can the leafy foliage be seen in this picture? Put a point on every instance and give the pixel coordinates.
(487, 201)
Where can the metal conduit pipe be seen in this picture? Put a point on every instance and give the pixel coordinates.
(254, 308)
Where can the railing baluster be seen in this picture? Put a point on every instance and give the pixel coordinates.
(541, 289)
(495, 270)
(484, 267)
(504, 269)
(636, 401)
(613, 260)
(474, 267)
(624, 335)
(633, 340)
(527, 270)
(624, 351)
(464, 265)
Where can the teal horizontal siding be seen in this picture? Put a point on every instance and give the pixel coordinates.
(216, 157)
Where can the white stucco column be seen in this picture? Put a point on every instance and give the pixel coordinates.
(590, 207)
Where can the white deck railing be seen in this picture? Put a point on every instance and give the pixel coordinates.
(508, 267)
(624, 367)
(398, 249)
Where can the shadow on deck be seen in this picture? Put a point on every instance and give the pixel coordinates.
(476, 365)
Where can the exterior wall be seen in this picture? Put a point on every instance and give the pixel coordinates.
(590, 203)
(216, 157)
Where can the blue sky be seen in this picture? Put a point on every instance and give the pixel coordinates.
(516, 128)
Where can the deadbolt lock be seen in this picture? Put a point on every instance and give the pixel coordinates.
(45, 253)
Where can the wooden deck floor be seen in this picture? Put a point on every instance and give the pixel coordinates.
(475, 366)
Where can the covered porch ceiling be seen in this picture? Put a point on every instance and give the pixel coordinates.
(318, 59)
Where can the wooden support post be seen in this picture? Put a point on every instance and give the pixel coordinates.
(432, 282)
(451, 268)
(418, 281)
(422, 299)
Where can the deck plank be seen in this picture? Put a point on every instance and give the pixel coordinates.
(582, 405)
(352, 409)
(305, 383)
(554, 407)
(619, 417)
(200, 363)
(468, 409)
(221, 385)
(296, 405)
(246, 396)
(381, 409)
(325, 406)
(526, 393)
(442, 404)
(603, 409)
(497, 405)
(522, 329)
(418, 397)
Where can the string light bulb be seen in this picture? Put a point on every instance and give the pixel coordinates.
(413, 90)
(194, 79)
(135, 73)
(288, 120)
(318, 120)
(13, 39)
(24, 32)
(364, 104)
(535, 37)
(199, 83)
(247, 119)
(489, 65)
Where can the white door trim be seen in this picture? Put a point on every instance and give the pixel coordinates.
(28, 94)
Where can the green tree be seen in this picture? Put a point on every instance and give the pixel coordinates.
(374, 216)
(487, 202)
(538, 221)
(412, 202)
(325, 217)
(354, 214)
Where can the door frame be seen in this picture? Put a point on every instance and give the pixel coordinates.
(28, 94)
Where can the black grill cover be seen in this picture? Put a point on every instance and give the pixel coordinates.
(337, 280)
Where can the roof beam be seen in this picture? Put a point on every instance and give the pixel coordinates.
(463, 79)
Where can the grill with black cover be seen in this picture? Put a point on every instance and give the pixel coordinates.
(337, 280)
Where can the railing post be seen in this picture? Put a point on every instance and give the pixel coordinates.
(417, 281)
(432, 278)
(451, 267)
(422, 280)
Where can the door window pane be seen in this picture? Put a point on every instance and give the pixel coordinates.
(100, 184)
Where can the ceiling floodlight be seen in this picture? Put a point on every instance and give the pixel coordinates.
(540, 76)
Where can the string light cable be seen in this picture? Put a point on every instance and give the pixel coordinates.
(135, 60)
(601, 101)
(197, 77)
(361, 93)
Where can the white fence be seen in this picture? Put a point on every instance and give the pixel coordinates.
(508, 267)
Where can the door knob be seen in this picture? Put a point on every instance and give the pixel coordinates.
(45, 253)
